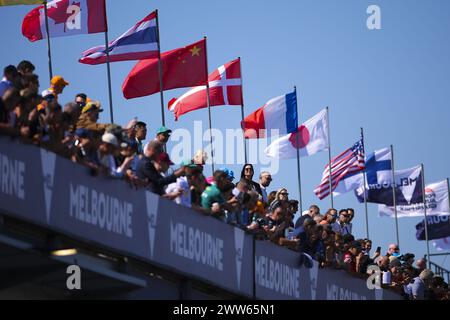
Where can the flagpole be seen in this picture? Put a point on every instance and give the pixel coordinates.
(364, 182)
(160, 71)
(425, 215)
(298, 156)
(329, 158)
(208, 101)
(49, 51)
(394, 197)
(242, 110)
(108, 70)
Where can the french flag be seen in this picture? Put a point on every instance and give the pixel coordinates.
(279, 113)
(138, 43)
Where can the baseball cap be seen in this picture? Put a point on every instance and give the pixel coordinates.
(164, 157)
(229, 173)
(111, 139)
(92, 106)
(59, 81)
(163, 130)
(188, 163)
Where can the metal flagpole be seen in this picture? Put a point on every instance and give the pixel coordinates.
(448, 192)
(160, 71)
(208, 101)
(394, 197)
(49, 51)
(242, 111)
(298, 155)
(329, 158)
(108, 69)
(425, 215)
(364, 182)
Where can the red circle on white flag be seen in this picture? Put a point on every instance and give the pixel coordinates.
(303, 137)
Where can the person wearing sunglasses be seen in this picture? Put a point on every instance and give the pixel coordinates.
(248, 173)
(163, 135)
(343, 226)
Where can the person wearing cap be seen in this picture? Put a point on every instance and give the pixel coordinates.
(163, 135)
(213, 199)
(57, 85)
(109, 144)
(89, 117)
(180, 190)
(146, 169)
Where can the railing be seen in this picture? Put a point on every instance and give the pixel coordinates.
(437, 269)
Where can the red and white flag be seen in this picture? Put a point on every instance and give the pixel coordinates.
(225, 88)
(65, 18)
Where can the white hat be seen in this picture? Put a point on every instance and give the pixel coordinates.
(110, 138)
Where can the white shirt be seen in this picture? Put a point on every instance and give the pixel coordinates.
(181, 184)
(346, 228)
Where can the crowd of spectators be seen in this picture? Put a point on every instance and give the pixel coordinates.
(106, 149)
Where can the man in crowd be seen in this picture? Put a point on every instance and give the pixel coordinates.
(146, 169)
(163, 135)
(81, 99)
(57, 85)
(312, 212)
(89, 117)
(213, 198)
(393, 250)
(265, 178)
(25, 67)
(9, 76)
(140, 134)
(342, 226)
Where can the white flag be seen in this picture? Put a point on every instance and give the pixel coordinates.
(313, 138)
(442, 244)
(436, 198)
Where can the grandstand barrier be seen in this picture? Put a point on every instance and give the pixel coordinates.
(50, 191)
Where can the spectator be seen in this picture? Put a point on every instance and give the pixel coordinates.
(318, 218)
(25, 67)
(351, 213)
(352, 258)
(312, 212)
(417, 288)
(213, 198)
(9, 77)
(89, 117)
(293, 207)
(330, 217)
(247, 173)
(163, 135)
(342, 226)
(146, 169)
(106, 151)
(182, 186)
(57, 85)
(140, 129)
(282, 195)
(81, 100)
(393, 250)
(265, 179)
(271, 197)
(200, 158)
(421, 265)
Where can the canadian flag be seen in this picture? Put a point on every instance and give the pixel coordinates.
(225, 88)
(65, 18)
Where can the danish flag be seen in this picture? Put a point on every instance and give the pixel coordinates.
(225, 88)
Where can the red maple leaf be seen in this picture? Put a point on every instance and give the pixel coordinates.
(59, 14)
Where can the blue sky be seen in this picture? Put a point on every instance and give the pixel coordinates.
(392, 82)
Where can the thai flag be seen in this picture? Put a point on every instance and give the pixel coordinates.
(279, 113)
(138, 43)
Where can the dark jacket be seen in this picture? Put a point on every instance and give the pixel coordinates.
(146, 170)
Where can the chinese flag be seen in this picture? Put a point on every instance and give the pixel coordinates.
(182, 67)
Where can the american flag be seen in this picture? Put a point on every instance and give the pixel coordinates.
(348, 163)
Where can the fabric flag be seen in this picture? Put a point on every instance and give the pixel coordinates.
(16, 2)
(408, 189)
(436, 198)
(378, 170)
(138, 43)
(65, 18)
(438, 227)
(348, 163)
(442, 244)
(278, 114)
(225, 88)
(182, 67)
(312, 138)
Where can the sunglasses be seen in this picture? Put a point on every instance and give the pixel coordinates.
(284, 194)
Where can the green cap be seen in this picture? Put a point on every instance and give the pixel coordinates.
(163, 130)
(188, 163)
